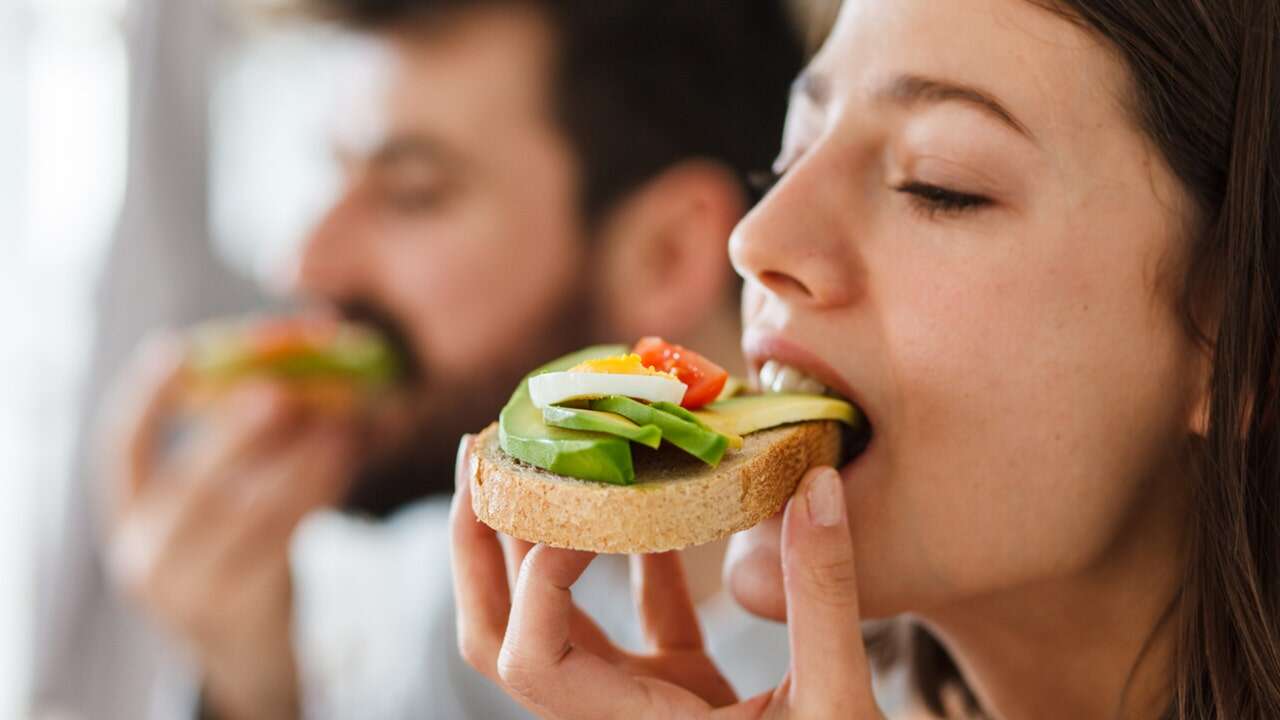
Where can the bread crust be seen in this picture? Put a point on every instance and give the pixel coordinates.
(681, 502)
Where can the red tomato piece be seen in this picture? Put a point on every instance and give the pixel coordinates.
(280, 337)
(704, 378)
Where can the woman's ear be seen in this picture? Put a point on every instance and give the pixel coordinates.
(662, 266)
(1202, 395)
(1200, 415)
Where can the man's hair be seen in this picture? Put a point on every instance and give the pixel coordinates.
(643, 84)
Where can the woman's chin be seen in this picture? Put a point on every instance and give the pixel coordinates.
(753, 570)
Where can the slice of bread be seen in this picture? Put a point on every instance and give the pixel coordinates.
(676, 502)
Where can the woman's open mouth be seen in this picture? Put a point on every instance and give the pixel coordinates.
(776, 376)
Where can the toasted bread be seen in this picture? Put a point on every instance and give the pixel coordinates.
(676, 502)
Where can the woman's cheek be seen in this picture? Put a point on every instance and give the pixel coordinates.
(753, 569)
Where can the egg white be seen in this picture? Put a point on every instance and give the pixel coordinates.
(557, 387)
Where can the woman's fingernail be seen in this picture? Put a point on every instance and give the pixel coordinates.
(825, 499)
(462, 465)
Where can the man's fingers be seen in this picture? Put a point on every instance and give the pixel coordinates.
(830, 676)
(213, 471)
(540, 662)
(253, 419)
(136, 412)
(312, 472)
(666, 610)
(482, 597)
(319, 471)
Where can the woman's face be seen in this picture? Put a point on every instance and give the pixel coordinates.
(974, 242)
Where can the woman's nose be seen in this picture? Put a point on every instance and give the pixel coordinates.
(791, 246)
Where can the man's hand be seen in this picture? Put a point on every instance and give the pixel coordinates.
(200, 532)
(520, 627)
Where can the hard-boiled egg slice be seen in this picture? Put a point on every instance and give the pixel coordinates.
(623, 375)
(629, 364)
(557, 387)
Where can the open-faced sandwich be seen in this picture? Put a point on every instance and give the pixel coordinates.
(327, 362)
(647, 449)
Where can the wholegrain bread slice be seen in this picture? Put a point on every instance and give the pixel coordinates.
(676, 502)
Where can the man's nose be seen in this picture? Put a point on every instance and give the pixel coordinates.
(328, 262)
(793, 243)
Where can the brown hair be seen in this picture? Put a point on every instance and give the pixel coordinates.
(640, 86)
(1206, 82)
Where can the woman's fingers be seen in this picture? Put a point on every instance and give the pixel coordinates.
(542, 616)
(514, 549)
(666, 610)
(830, 675)
(481, 595)
(585, 630)
(540, 662)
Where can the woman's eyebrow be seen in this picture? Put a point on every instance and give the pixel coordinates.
(912, 89)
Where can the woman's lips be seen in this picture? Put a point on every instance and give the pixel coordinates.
(761, 348)
(781, 365)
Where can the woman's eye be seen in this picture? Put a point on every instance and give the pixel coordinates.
(932, 200)
(760, 182)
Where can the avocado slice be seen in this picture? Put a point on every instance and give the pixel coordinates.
(705, 444)
(735, 441)
(678, 411)
(524, 435)
(749, 413)
(596, 421)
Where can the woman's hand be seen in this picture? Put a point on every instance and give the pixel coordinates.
(544, 651)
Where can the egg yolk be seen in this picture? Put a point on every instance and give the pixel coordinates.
(618, 365)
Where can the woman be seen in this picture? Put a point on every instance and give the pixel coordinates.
(1039, 245)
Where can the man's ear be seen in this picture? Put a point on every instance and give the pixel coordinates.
(662, 266)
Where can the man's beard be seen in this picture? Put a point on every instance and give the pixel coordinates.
(446, 408)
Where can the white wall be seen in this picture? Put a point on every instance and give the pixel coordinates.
(13, 493)
(62, 125)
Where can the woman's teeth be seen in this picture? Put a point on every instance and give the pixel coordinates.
(777, 377)
(782, 378)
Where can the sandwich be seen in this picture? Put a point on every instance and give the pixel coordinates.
(647, 449)
(327, 362)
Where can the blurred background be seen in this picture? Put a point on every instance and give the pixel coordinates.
(160, 161)
(77, 78)
(63, 99)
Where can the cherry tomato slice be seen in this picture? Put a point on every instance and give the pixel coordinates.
(282, 337)
(704, 378)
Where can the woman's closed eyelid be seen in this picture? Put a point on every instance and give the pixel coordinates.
(784, 160)
(953, 170)
(933, 200)
(760, 182)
